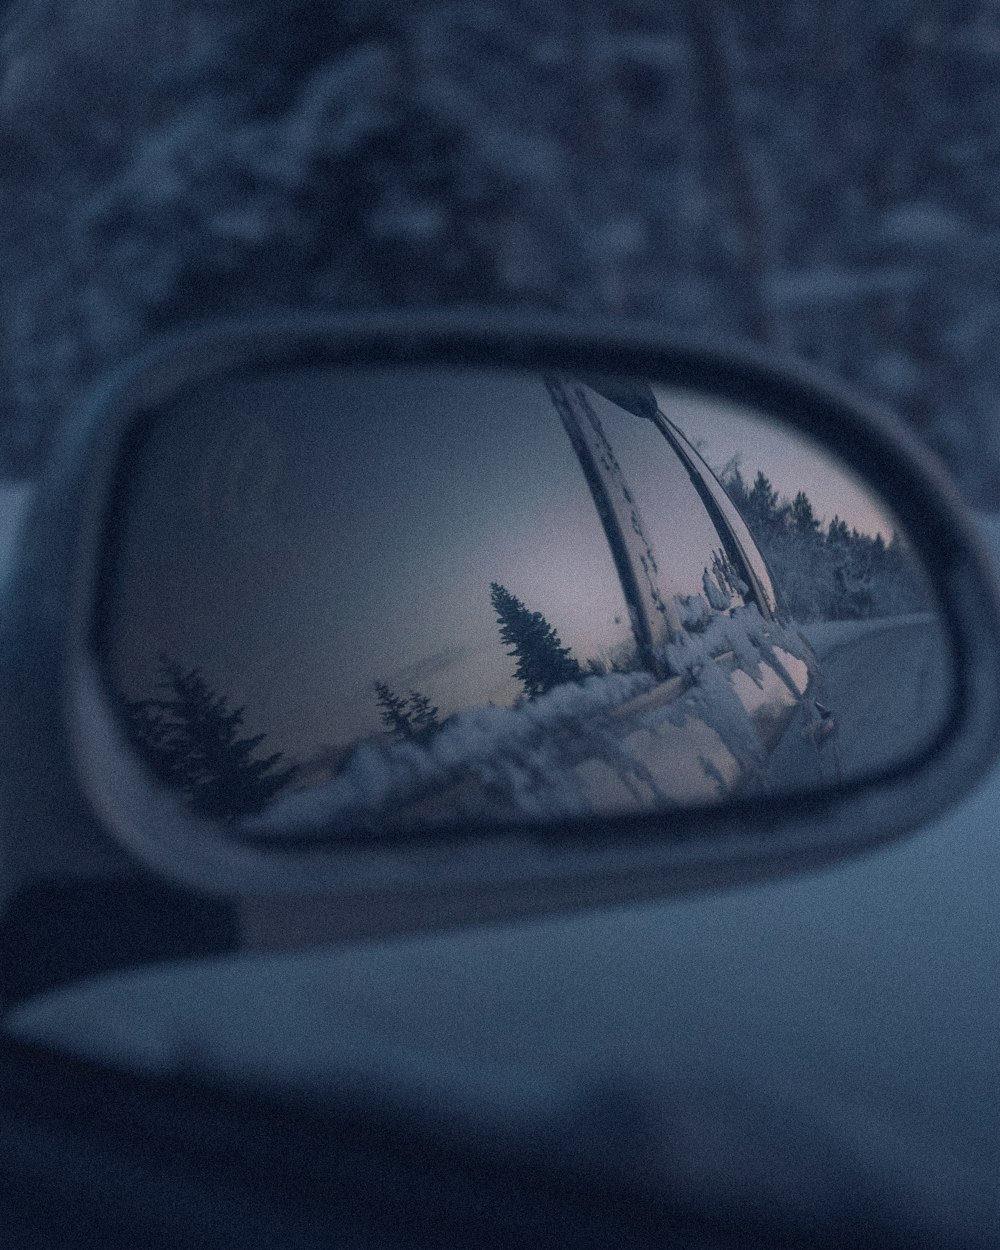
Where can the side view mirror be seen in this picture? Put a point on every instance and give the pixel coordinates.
(354, 625)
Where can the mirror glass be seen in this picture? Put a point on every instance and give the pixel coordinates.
(340, 602)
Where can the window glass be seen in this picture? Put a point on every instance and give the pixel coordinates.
(692, 569)
(339, 552)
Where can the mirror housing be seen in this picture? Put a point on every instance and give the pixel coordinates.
(77, 808)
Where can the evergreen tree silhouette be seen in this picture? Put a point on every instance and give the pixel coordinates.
(189, 739)
(837, 534)
(803, 518)
(412, 719)
(392, 709)
(542, 661)
(762, 508)
(423, 716)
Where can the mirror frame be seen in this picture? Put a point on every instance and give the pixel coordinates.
(404, 878)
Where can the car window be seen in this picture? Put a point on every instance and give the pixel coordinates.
(739, 541)
(348, 580)
(674, 536)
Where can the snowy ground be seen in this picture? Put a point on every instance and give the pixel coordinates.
(888, 685)
(828, 636)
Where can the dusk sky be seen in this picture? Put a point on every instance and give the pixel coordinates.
(302, 536)
(790, 461)
(300, 558)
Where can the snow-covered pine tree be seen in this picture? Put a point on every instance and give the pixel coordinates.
(762, 509)
(839, 574)
(542, 661)
(803, 519)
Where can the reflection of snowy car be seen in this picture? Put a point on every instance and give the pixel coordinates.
(685, 709)
(730, 673)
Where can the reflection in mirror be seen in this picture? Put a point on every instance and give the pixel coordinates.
(343, 602)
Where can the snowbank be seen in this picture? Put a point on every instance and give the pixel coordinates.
(826, 636)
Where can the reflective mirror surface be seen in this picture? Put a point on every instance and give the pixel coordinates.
(341, 602)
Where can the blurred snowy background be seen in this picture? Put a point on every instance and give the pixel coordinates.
(820, 178)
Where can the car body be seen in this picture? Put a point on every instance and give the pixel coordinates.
(187, 983)
(800, 1060)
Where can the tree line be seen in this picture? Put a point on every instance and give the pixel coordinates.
(836, 573)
